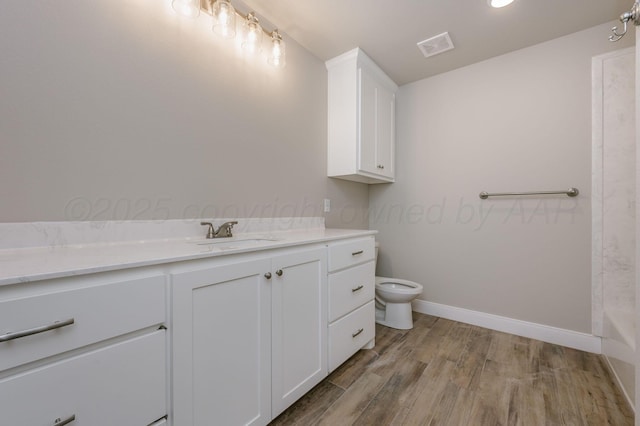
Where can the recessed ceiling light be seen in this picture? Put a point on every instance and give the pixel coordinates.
(499, 3)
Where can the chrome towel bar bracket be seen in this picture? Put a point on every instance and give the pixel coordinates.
(571, 192)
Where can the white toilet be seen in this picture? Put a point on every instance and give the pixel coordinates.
(393, 301)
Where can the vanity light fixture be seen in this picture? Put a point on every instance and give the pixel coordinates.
(224, 24)
(277, 54)
(252, 34)
(224, 19)
(188, 8)
(499, 3)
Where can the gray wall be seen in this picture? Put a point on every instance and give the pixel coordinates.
(119, 109)
(518, 122)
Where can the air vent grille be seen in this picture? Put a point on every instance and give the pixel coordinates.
(436, 45)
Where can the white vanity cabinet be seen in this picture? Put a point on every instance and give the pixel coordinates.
(248, 335)
(88, 350)
(361, 119)
(189, 336)
(351, 298)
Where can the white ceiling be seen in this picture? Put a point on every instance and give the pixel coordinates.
(389, 30)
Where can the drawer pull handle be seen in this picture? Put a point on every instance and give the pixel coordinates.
(18, 334)
(360, 287)
(161, 420)
(357, 333)
(355, 253)
(279, 272)
(60, 422)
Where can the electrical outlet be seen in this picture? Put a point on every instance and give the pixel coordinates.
(327, 205)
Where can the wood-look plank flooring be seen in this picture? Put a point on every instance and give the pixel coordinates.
(448, 373)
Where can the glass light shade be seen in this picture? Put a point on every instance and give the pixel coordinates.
(499, 3)
(224, 19)
(277, 56)
(252, 34)
(188, 8)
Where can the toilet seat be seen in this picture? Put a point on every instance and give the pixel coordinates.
(398, 286)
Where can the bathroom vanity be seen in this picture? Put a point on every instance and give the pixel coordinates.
(180, 331)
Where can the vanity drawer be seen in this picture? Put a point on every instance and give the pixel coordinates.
(121, 384)
(351, 288)
(349, 334)
(349, 253)
(97, 313)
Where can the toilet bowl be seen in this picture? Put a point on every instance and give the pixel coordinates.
(393, 301)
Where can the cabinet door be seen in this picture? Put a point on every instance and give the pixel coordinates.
(222, 345)
(385, 131)
(367, 123)
(299, 325)
(376, 144)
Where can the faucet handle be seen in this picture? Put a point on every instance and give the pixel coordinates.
(210, 232)
(225, 229)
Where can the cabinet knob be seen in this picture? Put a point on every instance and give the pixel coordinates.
(279, 272)
(268, 275)
(380, 166)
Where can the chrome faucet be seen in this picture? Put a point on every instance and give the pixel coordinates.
(223, 232)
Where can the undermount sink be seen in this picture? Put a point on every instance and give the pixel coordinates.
(234, 243)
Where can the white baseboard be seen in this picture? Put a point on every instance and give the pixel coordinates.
(559, 336)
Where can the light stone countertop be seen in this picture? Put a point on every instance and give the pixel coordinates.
(19, 265)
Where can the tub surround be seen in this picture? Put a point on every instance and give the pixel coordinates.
(614, 213)
(45, 250)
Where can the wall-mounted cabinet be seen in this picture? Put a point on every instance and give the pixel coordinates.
(361, 119)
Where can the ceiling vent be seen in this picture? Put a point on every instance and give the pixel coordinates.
(436, 45)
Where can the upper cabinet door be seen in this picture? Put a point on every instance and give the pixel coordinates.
(385, 132)
(377, 109)
(367, 108)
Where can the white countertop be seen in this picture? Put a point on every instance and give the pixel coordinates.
(19, 265)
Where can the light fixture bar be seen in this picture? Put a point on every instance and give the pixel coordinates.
(224, 16)
(207, 7)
